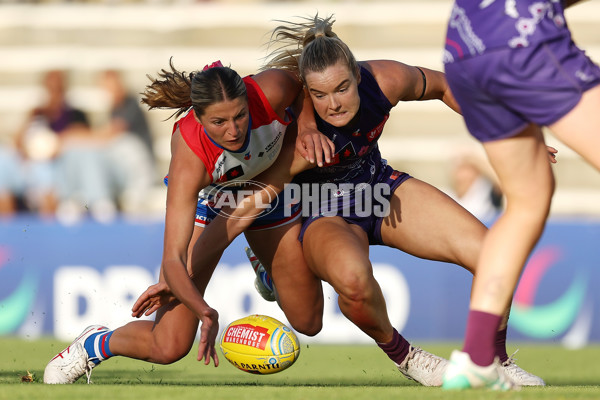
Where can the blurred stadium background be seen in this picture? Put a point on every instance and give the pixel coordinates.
(139, 37)
(425, 139)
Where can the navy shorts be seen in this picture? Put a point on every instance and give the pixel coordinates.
(370, 223)
(502, 91)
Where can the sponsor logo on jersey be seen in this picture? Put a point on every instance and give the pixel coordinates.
(273, 142)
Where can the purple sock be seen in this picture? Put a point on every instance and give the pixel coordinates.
(397, 349)
(501, 345)
(480, 337)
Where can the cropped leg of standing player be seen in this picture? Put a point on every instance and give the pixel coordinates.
(533, 78)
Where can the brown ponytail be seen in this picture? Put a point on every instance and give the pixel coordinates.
(199, 89)
(171, 90)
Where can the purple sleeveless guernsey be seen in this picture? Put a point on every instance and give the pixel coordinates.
(357, 158)
(476, 27)
(357, 162)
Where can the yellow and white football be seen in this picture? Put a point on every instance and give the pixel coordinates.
(260, 345)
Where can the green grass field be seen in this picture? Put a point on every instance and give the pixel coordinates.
(322, 372)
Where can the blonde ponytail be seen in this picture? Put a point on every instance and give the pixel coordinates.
(307, 45)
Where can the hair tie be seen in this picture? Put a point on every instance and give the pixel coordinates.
(215, 64)
(319, 34)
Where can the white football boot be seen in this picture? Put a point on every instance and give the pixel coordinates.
(462, 373)
(262, 282)
(423, 367)
(73, 362)
(519, 375)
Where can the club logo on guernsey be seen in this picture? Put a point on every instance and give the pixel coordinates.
(376, 132)
(248, 335)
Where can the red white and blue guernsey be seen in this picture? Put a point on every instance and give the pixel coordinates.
(230, 169)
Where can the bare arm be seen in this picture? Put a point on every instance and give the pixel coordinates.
(283, 89)
(401, 82)
(310, 143)
(187, 175)
(280, 87)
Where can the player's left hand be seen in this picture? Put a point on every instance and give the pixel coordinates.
(208, 336)
(152, 299)
(314, 146)
(552, 154)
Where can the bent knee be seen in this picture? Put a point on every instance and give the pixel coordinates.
(169, 353)
(308, 327)
(355, 288)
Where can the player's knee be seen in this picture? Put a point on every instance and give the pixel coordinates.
(354, 288)
(168, 353)
(307, 326)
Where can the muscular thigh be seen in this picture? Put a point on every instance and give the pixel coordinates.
(336, 250)
(427, 223)
(580, 128)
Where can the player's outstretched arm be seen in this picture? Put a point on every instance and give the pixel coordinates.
(402, 82)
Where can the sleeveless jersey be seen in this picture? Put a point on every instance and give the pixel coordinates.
(357, 158)
(476, 26)
(262, 146)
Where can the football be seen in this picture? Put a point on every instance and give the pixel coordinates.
(259, 344)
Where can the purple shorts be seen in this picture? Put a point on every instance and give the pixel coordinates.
(502, 91)
(370, 223)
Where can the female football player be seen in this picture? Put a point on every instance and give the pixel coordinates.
(514, 68)
(230, 130)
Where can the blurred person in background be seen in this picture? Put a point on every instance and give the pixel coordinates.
(61, 159)
(475, 187)
(128, 151)
(11, 181)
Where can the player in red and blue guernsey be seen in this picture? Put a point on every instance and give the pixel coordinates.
(231, 130)
(513, 68)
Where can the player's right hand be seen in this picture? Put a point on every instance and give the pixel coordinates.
(152, 299)
(208, 336)
(552, 154)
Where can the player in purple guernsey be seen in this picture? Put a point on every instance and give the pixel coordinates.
(357, 159)
(514, 68)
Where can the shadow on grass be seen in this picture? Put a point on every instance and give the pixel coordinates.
(173, 378)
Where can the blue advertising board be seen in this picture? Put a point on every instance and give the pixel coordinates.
(55, 280)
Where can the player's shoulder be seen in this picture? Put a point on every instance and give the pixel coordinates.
(384, 70)
(394, 78)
